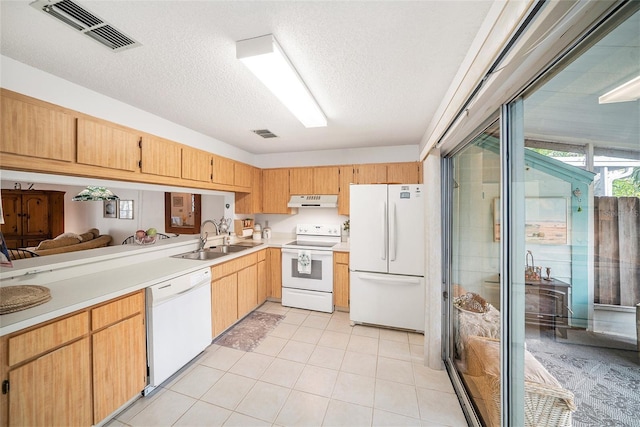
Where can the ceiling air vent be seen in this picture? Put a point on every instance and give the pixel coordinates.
(265, 133)
(82, 20)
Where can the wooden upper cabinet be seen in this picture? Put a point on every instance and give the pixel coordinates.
(316, 180)
(36, 129)
(161, 157)
(326, 180)
(196, 164)
(275, 188)
(107, 145)
(242, 174)
(223, 170)
(301, 181)
(251, 203)
(375, 173)
(346, 178)
(404, 173)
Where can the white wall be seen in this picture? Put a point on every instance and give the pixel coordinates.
(404, 153)
(287, 223)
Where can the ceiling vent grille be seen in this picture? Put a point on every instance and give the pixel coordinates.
(265, 133)
(82, 20)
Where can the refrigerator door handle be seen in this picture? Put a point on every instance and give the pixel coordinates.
(391, 279)
(385, 242)
(392, 233)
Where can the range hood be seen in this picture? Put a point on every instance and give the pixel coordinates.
(314, 201)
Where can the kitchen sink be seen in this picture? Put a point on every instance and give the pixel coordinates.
(214, 252)
(202, 255)
(225, 249)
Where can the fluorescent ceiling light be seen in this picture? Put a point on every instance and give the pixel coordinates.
(629, 91)
(266, 59)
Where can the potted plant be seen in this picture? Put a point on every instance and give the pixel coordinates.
(345, 231)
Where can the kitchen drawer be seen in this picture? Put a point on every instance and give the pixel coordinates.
(224, 269)
(117, 310)
(262, 255)
(47, 337)
(341, 257)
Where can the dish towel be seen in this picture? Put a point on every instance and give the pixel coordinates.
(304, 262)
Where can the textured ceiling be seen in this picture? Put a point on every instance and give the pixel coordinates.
(378, 69)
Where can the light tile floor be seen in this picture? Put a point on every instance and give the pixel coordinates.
(313, 369)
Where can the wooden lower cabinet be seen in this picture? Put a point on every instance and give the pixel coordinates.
(235, 289)
(247, 290)
(53, 389)
(119, 365)
(262, 277)
(274, 273)
(341, 280)
(224, 303)
(76, 370)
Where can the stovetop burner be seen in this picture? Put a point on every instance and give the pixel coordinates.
(315, 236)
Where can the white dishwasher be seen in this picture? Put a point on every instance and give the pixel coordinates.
(178, 323)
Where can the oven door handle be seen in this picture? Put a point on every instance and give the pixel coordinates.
(317, 253)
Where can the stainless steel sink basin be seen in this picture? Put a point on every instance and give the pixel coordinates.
(227, 248)
(214, 252)
(203, 255)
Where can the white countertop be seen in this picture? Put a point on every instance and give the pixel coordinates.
(82, 280)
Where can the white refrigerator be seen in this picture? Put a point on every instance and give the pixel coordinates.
(387, 258)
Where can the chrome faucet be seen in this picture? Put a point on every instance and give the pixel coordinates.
(203, 239)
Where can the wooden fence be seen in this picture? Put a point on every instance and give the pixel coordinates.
(617, 250)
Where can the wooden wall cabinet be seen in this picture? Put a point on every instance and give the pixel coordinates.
(197, 165)
(341, 280)
(107, 145)
(251, 203)
(161, 157)
(404, 173)
(274, 273)
(326, 180)
(31, 216)
(314, 180)
(275, 188)
(389, 173)
(346, 178)
(301, 181)
(36, 129)
(223, 170)
(242, 175)
(371, 173)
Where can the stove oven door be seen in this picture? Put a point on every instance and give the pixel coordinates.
(319, 279)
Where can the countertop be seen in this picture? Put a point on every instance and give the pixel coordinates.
(79, 280)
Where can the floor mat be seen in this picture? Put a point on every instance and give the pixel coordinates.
(250, 331)
(605, 381)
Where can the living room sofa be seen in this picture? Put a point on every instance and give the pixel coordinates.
(71, 242)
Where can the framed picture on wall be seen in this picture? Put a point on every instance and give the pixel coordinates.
(125, 209)
(545, 220)
(110, 209)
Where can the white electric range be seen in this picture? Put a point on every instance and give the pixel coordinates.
(307, 267)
